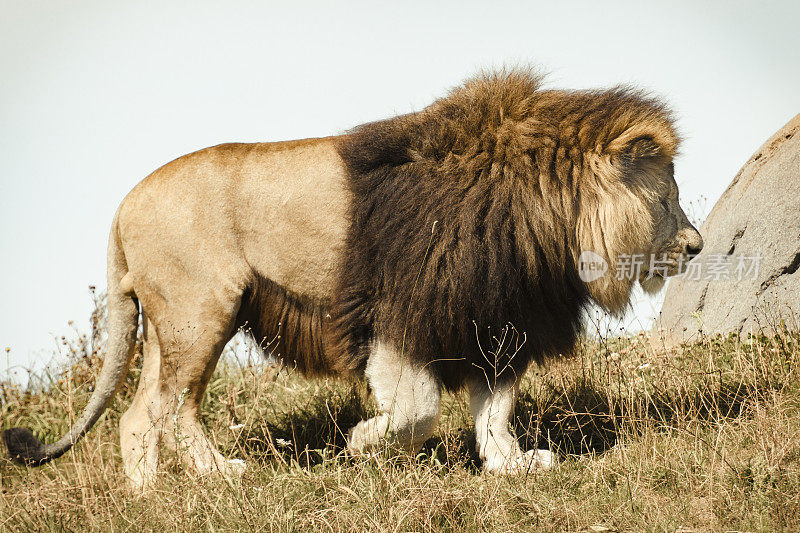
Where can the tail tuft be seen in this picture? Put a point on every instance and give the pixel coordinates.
(24, 447)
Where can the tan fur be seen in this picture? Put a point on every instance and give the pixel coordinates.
(279, 210)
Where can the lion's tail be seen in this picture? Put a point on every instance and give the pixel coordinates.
(123, 316)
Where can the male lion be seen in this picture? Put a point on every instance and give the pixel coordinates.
(398, 251)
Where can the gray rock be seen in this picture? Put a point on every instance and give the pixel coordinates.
(745, 280)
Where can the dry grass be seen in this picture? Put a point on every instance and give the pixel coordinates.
(703, 439)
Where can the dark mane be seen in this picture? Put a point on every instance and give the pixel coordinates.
(457, 254)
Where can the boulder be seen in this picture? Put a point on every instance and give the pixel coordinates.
(745, 280)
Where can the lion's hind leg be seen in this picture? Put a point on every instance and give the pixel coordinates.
(140, 426)
(191, 336)
(408, 396)
(492, 406)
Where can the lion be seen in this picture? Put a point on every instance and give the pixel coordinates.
(408, 251)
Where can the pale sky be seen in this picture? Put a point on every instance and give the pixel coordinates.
(96, 95)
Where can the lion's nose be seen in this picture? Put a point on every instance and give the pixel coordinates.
(694, 244)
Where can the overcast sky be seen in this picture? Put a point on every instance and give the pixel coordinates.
(96, 95)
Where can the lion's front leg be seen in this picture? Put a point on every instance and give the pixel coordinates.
(492, 407)
(408, 396)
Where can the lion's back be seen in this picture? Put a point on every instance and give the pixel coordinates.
(238, 210)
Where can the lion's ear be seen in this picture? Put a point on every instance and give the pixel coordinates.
(641, 148)
(636, 154)
(643, 142)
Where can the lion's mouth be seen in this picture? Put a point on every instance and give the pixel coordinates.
(665, 265)
(649, 275)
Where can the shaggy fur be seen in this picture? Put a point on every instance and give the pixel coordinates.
(467, 221)
(468, 218)
(288, 326)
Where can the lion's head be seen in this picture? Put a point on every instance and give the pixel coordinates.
(675, 241)
(475, 213)
(631, 216)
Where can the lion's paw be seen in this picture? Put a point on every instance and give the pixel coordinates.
(361, 438)
(522, 463)
(237, 466)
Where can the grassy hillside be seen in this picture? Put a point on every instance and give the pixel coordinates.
(703, 439)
